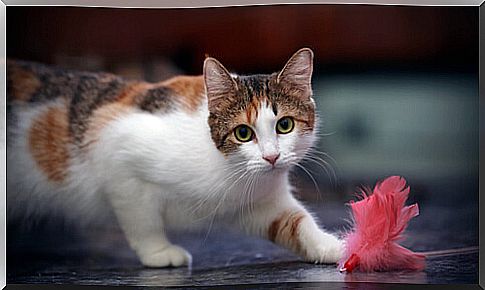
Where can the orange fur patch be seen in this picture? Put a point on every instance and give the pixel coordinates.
(24, 83)
(284, 230)
(190, 90)
(131, 91)
(252, 111)
(101, 118)
(107, 113)
(48, 140)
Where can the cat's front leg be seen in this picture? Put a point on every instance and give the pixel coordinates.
(288, 224)
(138, 210)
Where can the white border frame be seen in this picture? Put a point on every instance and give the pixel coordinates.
(148, 4)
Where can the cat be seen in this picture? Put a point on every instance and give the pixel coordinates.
(174, 153)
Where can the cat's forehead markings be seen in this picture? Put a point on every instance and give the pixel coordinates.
(266, 118)
(256, 85)
(254, 90)
(252, 110)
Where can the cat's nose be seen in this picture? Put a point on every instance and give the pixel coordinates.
(271, 158)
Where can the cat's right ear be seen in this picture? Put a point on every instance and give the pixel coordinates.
(219, 84)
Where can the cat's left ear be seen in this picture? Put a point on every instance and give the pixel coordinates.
(297, 73)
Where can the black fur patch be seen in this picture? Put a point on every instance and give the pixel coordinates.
(88, 94)
(157, 99)
(85, 92)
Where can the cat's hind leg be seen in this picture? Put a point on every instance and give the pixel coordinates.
(138, 206)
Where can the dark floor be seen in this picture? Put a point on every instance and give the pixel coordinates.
(448, 233)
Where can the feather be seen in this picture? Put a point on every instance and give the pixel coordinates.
(379, 221)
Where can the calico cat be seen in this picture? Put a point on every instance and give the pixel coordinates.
(170, 154)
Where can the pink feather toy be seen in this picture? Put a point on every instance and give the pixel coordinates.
(379, 221)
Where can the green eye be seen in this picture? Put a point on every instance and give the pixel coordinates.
(243, 133)
(285, 125)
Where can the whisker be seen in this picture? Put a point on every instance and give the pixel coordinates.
(251, 193)
(311, 177)
(214, 190)
(241, 199)
(312, 153)
(321, 166)
(324, 134)
(222, 200)
(247, 195)
(315, 150)
(321, 163)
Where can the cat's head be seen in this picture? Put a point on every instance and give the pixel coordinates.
(264, 121)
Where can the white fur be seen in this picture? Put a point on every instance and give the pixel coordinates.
(156, 171)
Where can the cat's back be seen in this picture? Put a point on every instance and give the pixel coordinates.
(34, 82)
(81, 102)
(83, 92)
(56, 118)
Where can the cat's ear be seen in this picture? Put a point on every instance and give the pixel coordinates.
(220, 86)
(297, 73)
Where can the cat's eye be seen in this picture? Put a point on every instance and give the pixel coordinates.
(285, 125)
(243, 133)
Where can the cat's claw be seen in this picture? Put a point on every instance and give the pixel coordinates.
(171, 256)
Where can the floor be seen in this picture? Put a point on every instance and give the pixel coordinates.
(449, 236)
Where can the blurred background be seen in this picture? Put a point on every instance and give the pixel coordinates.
(396, 86)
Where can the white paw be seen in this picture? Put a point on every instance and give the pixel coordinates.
(169, 256)
(326, 249)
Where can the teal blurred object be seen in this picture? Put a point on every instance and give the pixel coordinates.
(419, 125)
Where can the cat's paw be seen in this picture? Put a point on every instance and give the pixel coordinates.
(172, 255)
(327, 249)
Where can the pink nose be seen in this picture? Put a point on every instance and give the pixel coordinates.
(271, 158)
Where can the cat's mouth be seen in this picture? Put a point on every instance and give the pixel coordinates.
(273, 168)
